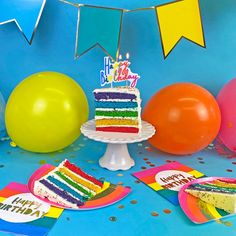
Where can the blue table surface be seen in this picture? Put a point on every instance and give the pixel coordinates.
(134, 219)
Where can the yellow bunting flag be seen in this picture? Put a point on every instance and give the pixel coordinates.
(179, 19)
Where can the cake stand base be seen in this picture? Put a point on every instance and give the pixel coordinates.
(116, 157)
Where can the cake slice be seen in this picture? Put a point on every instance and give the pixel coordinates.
(220, 194)
(118, 110)
(67, 185)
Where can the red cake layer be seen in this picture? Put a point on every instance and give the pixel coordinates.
(78, 171)
(118, 129)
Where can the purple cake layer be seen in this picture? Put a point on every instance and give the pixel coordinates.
(99, 96)
(61, 193)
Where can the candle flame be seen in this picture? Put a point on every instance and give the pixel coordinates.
(127, 56)
(120, 57)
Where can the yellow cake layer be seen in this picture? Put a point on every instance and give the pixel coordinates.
(79, 180)
(104, 122)
(223, 184)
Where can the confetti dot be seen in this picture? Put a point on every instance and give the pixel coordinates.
(57, 161)
(90, 161)
(154, 213)
(68, 218)
(202, 162)
(147, 147)
(113, 218)
(168, 161)
(8, 152)
(151, 165)
(234, 162)
(145, 159)
(93, 169)
(120, 174)
(137, 181)
(133, 202)
(121, 206)
(72, 156)
(148, 162)
(1, 166)
(41, 162)
(143, 167)
(229, 170)
(167, 211)
(76, 149)
(61, 150)
(81, 145)
(12, 144)
(219, 221)
(140, 153)
(5, 138)
(85, 139)
(200, 158)
(228, 223)
(102, 179)
(140, 144)
(120, 183)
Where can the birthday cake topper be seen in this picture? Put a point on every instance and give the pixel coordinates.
(118, 71)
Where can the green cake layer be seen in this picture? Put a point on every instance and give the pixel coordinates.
(115, 113)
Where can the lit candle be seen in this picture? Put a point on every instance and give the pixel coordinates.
(112, 76)
(127, 58)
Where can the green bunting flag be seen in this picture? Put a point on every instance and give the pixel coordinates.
(99, 26)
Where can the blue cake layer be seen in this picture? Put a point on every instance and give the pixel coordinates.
(116, 104)
(65, 187)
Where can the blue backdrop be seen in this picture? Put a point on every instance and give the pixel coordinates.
(53, 50)
(54, 44)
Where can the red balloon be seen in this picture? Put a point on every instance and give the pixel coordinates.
(186, 117)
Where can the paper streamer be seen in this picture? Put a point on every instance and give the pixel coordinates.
(25, 13)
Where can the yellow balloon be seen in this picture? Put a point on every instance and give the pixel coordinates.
(45, 111)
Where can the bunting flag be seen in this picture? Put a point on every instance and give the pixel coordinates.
(102, 26)
(25, 13)
(177, 20)
(99, 26)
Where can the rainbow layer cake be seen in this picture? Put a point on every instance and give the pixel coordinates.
(67, 185)
(219, 193)
(118, 110)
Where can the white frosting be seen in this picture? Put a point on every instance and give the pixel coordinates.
(116, 109)
(44, 192)
(117, 117)
(118, 90)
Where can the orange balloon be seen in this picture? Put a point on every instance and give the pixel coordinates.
(186, 117)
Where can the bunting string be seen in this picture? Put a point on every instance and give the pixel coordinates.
(176, 20)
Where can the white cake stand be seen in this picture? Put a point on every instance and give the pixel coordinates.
(117, 156)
